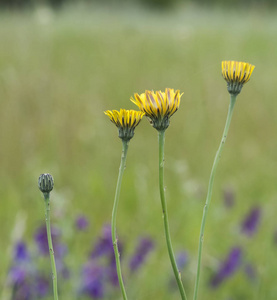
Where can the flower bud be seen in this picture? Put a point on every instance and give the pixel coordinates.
(45, 183)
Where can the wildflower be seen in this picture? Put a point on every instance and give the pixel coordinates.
(111, 272)
(25, 280)
(104, 248)
(158, 106)
(40, 238)
(182, 259)
(60, 249)
(81, 223)
(104, 244)
(250, 223)
(236, 74)
(92, 280)
(126, 121)
(17, 274)
(21, 253)
(41, 286)
(228, 267)
(18, 271)
(144, 247)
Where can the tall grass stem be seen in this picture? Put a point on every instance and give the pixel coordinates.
(209, 193)
(177, 274)
(114, 212)
(51, 249)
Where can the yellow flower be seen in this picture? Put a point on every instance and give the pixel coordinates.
(236, 74)
(158, 106)
(126, 121)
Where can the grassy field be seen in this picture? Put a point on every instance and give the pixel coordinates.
(60, 70)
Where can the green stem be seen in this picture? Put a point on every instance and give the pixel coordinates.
(116, 199)
(209, 194)
(165, 215)
(51, 250)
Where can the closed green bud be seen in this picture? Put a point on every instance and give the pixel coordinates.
(45, 183)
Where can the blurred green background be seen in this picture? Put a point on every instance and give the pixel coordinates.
(61, 68)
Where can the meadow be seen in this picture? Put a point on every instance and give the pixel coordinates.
(59, 70)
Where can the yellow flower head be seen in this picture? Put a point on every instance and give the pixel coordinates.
(236, 74)
(158, 106)
(126, 121)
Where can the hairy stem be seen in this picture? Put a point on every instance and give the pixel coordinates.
(165, 216)
(209, 194)
(114, 212)
(51, 250)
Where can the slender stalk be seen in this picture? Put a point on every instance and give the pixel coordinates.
(209, 194)
(51, 250)
(116, 199)
(165, 216)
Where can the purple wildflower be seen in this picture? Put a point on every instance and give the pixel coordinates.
(19, 270)
(181, 259)
(111, 272)
(250, 223)
(81, 223)
(143, 248)
(41, 286)
(104, 248)
(60, 249)
(28, 285)
(20, 252)
(228, 267)
(92, 280)
(104, 245)
(229, 197)
(42, 241)
(17, 274)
